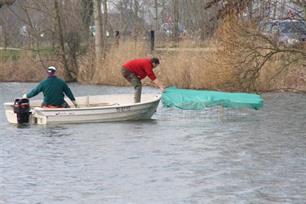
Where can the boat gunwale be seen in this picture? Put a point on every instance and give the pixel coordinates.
(116, 105)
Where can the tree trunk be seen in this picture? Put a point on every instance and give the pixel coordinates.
(67, 73)
(87, 15)
(275, 10)
(105, 27)
(263, 7)
(176, 21)
(203, 17)
(250, 9)
(305, 11)
(98, 33)
(282, 9)
(136, 21)
(3, 31)
(6, 2)
(5, 41)
(156, 15)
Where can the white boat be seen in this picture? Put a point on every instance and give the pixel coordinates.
(100, 108)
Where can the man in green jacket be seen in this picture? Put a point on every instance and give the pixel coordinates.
(53, 89)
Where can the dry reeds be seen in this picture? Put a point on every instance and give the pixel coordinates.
(257, 62)
(181, 68)
(23, 69)
(231, 61)
(26, 67)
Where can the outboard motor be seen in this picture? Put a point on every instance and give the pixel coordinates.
(22, 110)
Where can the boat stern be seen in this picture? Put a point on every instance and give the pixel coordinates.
(9, 113)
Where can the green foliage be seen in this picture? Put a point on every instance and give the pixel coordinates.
(9, 54)
(16, 54)
(43, 51)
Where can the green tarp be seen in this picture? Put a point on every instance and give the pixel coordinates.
(189, 99)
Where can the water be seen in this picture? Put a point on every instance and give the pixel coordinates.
(178, 157)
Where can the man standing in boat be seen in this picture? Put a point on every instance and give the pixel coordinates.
(53, 89)
(136, 70)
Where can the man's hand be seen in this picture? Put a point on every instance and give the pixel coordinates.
(75, 104)
(162, 89)
(159, 84)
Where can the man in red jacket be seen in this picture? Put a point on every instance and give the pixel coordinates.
(136, 70)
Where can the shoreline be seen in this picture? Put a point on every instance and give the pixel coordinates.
(280, 90)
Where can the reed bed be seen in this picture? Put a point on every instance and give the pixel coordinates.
(185, 69)
(212, 67)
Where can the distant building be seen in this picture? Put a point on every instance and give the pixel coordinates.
(277, 9)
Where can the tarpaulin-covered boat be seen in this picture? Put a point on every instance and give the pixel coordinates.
(188, 99)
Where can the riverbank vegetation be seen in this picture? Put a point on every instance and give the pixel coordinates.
(201, 44)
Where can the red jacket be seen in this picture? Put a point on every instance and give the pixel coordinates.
(141, 68)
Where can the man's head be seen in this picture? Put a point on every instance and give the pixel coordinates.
(51, 71)
(155, 62)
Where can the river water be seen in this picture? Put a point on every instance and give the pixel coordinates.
(177, 157)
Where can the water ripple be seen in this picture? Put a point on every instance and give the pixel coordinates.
(179, 157)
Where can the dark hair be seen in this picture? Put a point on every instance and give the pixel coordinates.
(155, 60)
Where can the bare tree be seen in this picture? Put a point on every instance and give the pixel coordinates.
(87, 16)
(60, 33)
(99, 33)
(4, 29)
(136, 7)
(301, 3)
(105, 21)
(176, 15)
(229, 7)
(6, 2)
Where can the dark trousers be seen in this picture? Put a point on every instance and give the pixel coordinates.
(135, 82)
(64, 105)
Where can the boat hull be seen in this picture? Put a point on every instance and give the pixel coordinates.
(114, 108)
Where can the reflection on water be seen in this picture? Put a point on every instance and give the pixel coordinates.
(56, 131)
(212, 156)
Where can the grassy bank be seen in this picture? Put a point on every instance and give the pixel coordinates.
(211, 68)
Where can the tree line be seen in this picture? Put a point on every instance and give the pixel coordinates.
(69, 28)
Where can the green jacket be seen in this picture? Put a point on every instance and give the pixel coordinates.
(53, 89)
